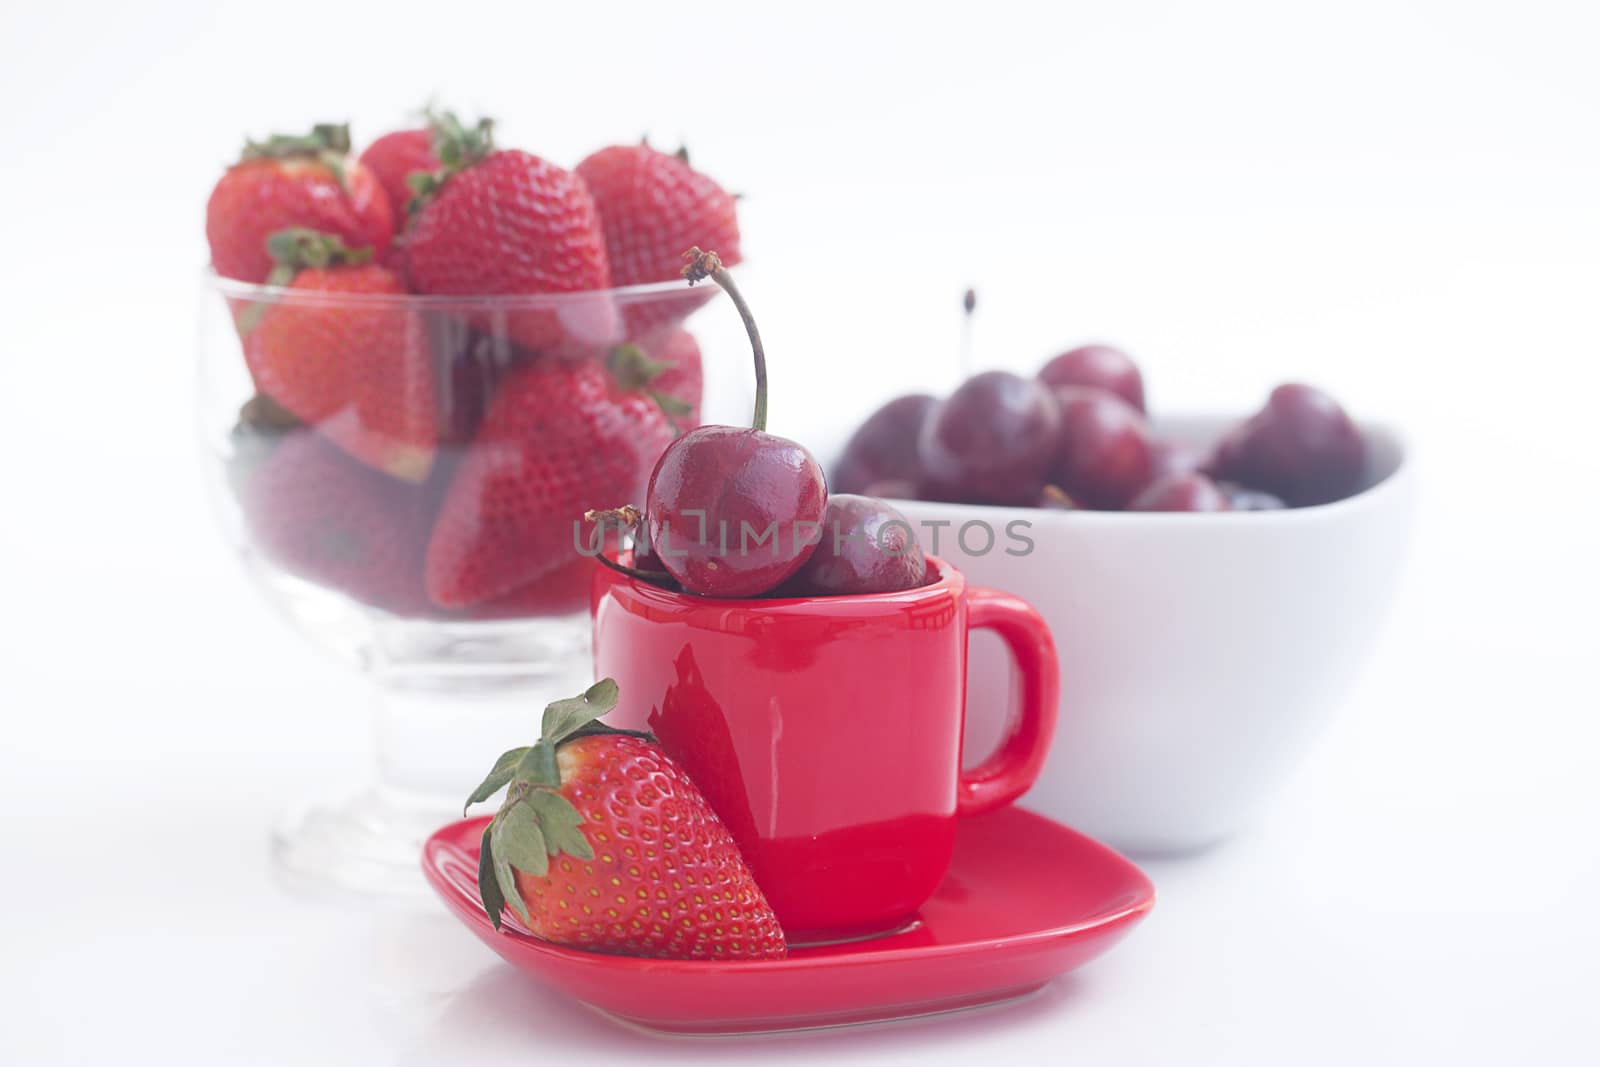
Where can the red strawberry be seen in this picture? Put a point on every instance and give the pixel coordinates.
(666, 365)
(359, 369)
(514, 224)
(322, 516)
(682, 379)
(603, 843)
(394, 158)
(558, 436)
(404, 159)
(285, 182)
(653, 205)
(563, 591)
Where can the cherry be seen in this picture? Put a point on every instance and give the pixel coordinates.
(1181, 492)
(733, 512)
(1242, 499)
(1301, 447)
(884, 448)
(866, 547)
(1103, 460)
(991, 441)
(1100, 366)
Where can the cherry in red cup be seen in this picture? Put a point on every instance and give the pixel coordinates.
(826, 731)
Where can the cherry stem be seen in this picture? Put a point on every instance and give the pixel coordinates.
(700, 265)
(656, 578)
(629, 520)
(969, 304)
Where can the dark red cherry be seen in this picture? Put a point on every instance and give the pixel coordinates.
(1301, 447)
(1103, 460)
(1181, 492)
(992, 441)
(1100, 366)
(734, 512)
(866, 547)
(884, 447)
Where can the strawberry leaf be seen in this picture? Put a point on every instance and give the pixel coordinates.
(560, 821)
(563, 717)
(519, 838)
(298, 247)
(507, 881)
(633, 368)
(324, 138)
(503, 769)
(488, 887)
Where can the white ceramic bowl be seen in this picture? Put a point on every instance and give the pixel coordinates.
(1200, 653)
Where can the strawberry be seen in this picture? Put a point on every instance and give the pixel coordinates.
(652, 206)
(681, 378)
(359, 369)
(603, 843)
(558, 435)
(393, 159)
(671, 376)
(284, 182)
(514, 224)
(469, 366)
(405, 159)
(326, 518)
(563, 591)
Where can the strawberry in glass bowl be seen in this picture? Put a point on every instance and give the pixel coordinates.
(418, 369)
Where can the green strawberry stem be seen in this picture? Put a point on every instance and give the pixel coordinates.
(700, 265)
(328, 143)
(456, 144)
(296, 248)
(458, 147)
(325, 137)
(632, 368)
(535, 821)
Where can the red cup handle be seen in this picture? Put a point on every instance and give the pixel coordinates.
(1007, 774)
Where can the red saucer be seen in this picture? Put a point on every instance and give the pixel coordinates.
(1026, 899)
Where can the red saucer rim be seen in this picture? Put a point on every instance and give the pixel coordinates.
(1141, 900)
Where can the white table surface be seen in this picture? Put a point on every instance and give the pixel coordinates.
(1394, 200)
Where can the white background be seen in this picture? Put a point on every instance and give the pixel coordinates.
(1397, 200)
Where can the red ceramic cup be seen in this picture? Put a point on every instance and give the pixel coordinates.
(826, 731)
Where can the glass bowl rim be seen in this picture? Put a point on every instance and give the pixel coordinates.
(234, 288)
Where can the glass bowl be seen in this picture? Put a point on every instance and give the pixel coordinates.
(403, 478)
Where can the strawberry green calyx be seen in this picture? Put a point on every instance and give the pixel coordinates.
(328, 143)
(456, 144)
(458, 147)
(297, 248)
(634, 369)
(535, 821)
(325, 137)
(294, 249)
